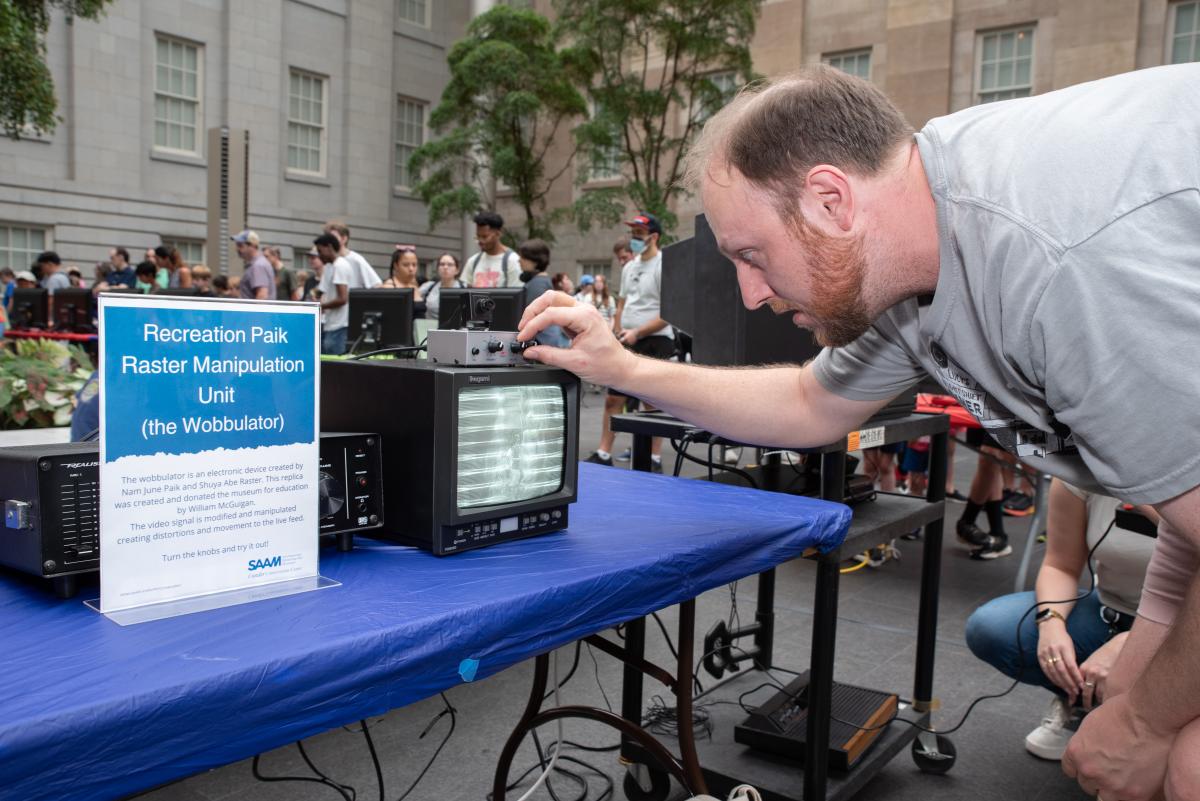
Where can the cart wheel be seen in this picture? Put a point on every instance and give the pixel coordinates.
(936, 761)
(660, 786)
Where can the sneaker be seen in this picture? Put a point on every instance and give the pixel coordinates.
(915, 534)
(655, 467)
(996, 547)
(1019, 505)
(596, 458)
(1049, 740)
(732, 456)
(971, 535)
(625, 455)
(955, 495)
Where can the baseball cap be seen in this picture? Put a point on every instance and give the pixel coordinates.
(586, 280)
(246, 237)
(25, 275)
(648, 220)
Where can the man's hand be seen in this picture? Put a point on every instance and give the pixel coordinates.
(1116, 755)
(594, 355)
(1096, 668)
(628, 336)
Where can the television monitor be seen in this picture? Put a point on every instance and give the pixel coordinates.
(471, 456)
(700, 294)
(73, 310)
(30, 307)
(380, 318)
(509, 305)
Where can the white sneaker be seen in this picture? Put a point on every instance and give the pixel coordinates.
(1049, 741)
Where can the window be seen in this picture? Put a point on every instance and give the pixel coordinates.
(20, 245)
(410, 134)
(190, 250)
(606, 161)
(1005, 65)
(414, 11)
(1185, 33)
(177, 82)
(595, 268)
(726, 85)
(855, 62)
(306, 123)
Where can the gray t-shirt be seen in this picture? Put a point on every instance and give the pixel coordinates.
(1067, 310)
(641, 286)
(56, 281)
(259, 273)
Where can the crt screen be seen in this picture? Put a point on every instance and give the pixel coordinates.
(511, 444)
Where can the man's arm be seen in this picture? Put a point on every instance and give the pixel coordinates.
(340, 299)
(260, 293)
(779, 406)
(617, 314)
(646, 330)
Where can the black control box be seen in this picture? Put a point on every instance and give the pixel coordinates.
(51, 497)
(350, 486)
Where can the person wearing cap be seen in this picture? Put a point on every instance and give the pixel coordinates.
(258, 281)
(586, 286)
(638, 323)
(312, 276)
(25, 280)
(494, 265)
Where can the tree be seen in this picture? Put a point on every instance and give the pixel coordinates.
(654, 69)
(509, 95)
(26, 88)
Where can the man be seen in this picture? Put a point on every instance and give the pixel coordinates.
(258, 281)
(622, 252)
(362, 274)
(494, 265)
(285, 277)
(122, 271)
(335, 294)
(53, 277)
(1038, 257)
(638, 324)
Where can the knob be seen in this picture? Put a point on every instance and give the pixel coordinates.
(495, 346)
(331, 495)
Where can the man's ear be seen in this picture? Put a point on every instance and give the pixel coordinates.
(828, 197)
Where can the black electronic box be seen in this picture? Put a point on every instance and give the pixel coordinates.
(51, 496)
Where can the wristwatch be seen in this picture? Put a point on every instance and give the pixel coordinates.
(1045, 614)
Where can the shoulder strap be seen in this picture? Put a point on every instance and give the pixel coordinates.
(504, 267)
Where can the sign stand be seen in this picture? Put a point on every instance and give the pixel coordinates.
(208, 454)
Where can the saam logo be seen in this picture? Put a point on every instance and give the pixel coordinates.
(263, 564)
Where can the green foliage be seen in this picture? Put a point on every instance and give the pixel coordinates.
(38, 382)
(648, 64)
(509, 94)
(26, 88)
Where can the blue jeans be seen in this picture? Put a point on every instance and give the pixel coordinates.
(334, 342)
(992, 628)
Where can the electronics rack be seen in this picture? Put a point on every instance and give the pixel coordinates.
(727, 764)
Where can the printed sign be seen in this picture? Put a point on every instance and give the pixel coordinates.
(208, 447)
(866, 438)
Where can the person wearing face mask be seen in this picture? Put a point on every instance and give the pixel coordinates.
(638, 323)
(447, 271)
(494, 265)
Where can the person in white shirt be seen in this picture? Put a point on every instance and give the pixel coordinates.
(362, 274)
(494, 265)
(335, 295)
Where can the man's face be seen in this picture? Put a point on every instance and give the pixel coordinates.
(791, 267)
(487, 237)
(624, 255)
(245, 251)
(342, 240)
(326, 254)
(117, 259)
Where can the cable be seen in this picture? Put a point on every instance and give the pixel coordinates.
(338, 788)
(314, 769)
(553, 759)
(366, 730)
(596, 668)
(710, 464)
(381, 351)
(449, 710)
(571, 672)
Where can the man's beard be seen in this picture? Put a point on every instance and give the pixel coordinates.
(837, 270)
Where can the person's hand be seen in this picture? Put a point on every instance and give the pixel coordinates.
(628, 337)
(1118, 756)
(594, 354)
(1056, 655)
(1096, 668)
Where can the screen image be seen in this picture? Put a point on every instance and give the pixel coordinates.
(511, 444)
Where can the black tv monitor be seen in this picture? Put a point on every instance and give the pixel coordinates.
(73, 310)
(179, 291)
(380, 318)
(508, 306)
(700, 293)
(471, 456)
(30, 307)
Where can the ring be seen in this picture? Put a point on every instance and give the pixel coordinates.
(1089, 684)
(1052, 660)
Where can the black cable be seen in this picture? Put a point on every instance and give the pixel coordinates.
(330, 784)
(571, 672)
(685, 441)
(449, 710)
(542, 760)
(710, 465)
(381, 351)
(596, 666)
(317, 771)
(366, 730)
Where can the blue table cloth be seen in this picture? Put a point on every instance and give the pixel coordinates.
(93, 710)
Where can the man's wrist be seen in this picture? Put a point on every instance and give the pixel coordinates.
(1140, 718)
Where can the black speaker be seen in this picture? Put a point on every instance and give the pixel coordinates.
(700, 294)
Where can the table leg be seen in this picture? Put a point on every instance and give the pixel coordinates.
(683, 697)
(1041, 499)
(541, 669)
(641, 452)
(820, 677)
(631, 683)
(931, 572)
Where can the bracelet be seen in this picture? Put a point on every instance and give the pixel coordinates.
(1047, 614)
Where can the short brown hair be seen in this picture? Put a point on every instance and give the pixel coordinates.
(621, 246)
(339, 226)
(774, 133)
(537, 251)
